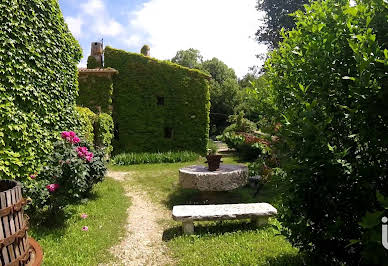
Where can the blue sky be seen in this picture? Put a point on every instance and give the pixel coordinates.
(218, 28)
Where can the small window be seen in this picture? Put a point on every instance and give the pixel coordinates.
(168, 133)
(160, 100)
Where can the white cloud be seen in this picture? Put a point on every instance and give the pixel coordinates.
(218, 28)
(108, 28)
(99, 20)
(133, 41)
(92, 7)
(75, 25)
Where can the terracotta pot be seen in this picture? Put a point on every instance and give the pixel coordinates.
(213, 161)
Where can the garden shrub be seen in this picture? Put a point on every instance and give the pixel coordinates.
(86, 121)
(104, 132)
(157, 105)
(160, 157)
(329, 79)
(38, 83)
(95, 92)
(67, 176)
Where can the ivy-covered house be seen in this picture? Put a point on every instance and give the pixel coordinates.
(156, 105)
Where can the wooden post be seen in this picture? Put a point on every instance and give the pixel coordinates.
(188, 227)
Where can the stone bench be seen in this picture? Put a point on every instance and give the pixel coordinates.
(187, 214)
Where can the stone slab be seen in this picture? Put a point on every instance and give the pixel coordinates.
(227, 177)
(222, 211)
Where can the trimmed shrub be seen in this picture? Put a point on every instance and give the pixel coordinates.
(95, 93)
(86, 121)
(158, 105)
(161, 157)
(329, 79)
(145, 50)
(104, 133)
(38, 83)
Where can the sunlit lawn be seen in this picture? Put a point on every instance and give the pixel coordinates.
(64, 242)
(214, 243)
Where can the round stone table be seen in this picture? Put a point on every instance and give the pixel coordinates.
(227, 177)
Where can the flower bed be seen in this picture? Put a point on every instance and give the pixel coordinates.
(67, 176)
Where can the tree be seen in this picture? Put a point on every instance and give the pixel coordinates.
(219, 71)
(224, 87)
(190, 58)
(224, 93)
(277, 16)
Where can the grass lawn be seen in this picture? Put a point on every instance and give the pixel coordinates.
(66, 244)
(214, 243)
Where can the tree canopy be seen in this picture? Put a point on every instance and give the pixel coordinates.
(277, 16)
(190, 58)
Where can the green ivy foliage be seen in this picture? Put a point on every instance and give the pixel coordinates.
(92, 63)
(140, 122)
(86, 120)
(104, 132)
(38, 82)
(329, 80)
(95, 93)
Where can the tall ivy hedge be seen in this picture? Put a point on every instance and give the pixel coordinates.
(158, 105)
(95, 92)
(38, 82)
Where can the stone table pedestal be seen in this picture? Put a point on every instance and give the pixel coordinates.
(227, 177)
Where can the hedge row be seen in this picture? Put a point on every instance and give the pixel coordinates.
(158, 105)
(160, 157)
(38, 83)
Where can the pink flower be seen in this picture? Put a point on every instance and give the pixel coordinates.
(84, 216)
(85, 228)
(52, 187)
(82, 150)
(70, 137)
(65, 134)
(33, 176)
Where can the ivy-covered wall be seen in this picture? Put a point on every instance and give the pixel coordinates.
(95, 91)
(38, 83)
(157, 105)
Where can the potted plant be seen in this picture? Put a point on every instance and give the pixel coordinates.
(213, 159)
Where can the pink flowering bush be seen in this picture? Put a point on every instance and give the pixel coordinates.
(68, 176)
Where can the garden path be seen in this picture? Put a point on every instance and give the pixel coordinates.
(143, 244)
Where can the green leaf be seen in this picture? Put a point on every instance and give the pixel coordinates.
(371, 219)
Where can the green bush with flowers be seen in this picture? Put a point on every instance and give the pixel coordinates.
(67, 176)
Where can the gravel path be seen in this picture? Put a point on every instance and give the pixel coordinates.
(143, 244)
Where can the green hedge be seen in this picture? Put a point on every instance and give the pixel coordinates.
(86, 119)
(92, 63)
(95, 92)
(38, 82)
(104, 132)
(160, 157)
(329, 78)
(152, 99)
